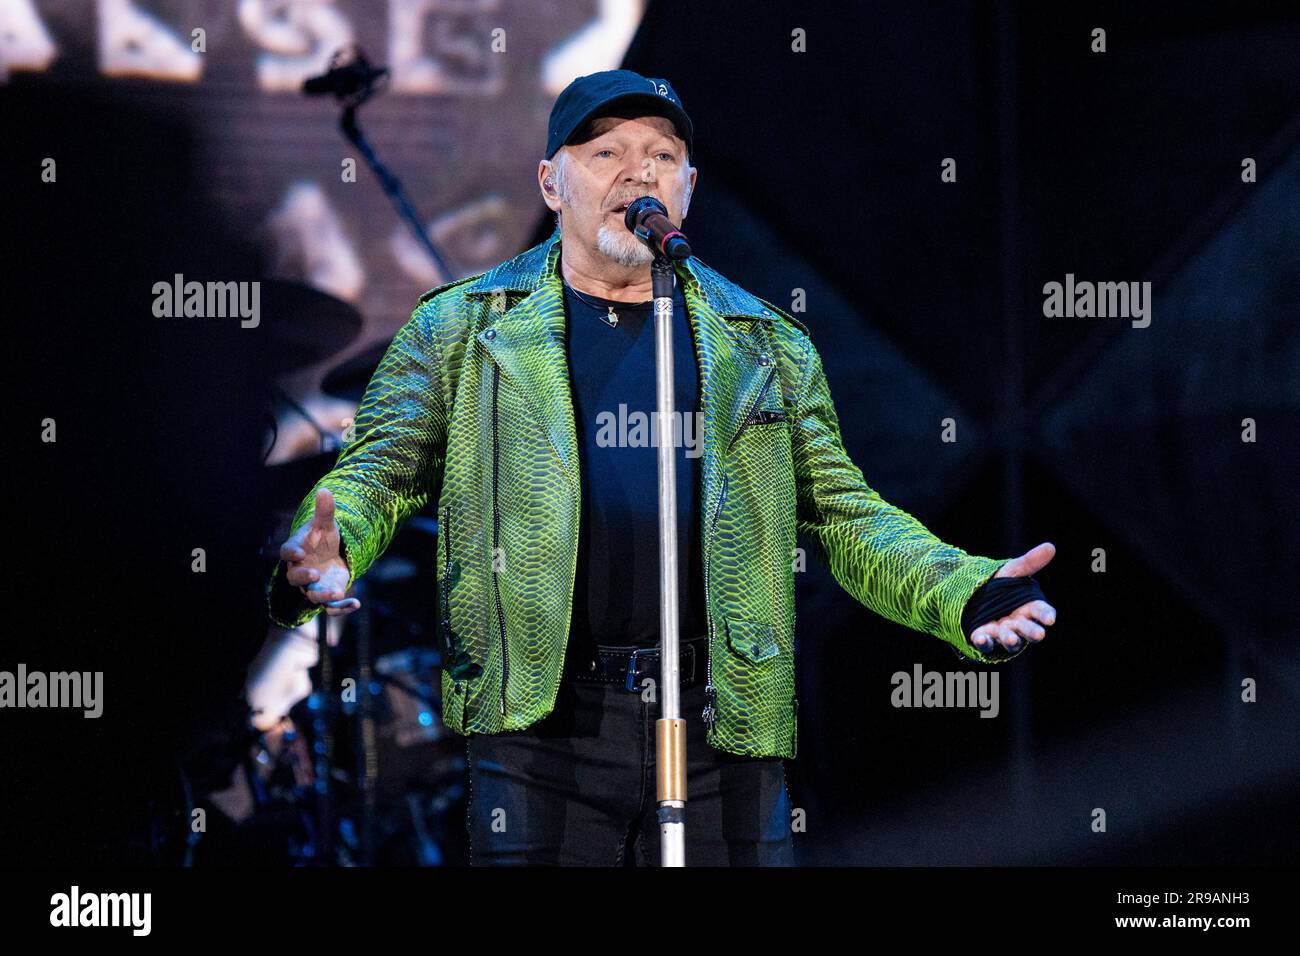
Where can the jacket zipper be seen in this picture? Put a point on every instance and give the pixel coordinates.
(496, 538)
(444, 533)
(710, 713)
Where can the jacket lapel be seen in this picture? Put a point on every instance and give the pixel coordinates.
(526, 341)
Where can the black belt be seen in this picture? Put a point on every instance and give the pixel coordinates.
(628, 665)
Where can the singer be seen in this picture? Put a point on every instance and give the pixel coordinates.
(493, 401)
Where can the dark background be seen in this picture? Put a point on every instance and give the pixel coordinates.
(818, 171)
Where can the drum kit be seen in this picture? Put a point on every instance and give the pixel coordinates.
(344, 759)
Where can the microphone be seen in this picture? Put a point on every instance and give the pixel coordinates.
(342, 81)
(648, 218)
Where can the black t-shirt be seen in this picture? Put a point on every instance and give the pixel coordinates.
(612, 367)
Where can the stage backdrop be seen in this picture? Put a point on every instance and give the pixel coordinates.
(462, 122)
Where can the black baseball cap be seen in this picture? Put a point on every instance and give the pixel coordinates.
(613, 93)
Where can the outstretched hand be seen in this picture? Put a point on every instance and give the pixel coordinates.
(1029, 621)
(315, 563)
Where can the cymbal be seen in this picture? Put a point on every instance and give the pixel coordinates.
(306, 325)
(349, 379)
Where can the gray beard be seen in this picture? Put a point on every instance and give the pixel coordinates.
(622, 247)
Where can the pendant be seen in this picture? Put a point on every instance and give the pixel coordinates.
(612, 318)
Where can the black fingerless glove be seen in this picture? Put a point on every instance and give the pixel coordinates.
(997, 598)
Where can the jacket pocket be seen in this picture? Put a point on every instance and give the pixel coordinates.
(455, 694)
(766, 416)
(753, 640)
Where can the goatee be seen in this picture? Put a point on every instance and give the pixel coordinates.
(622, 247)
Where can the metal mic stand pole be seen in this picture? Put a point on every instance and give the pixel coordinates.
(670, 729)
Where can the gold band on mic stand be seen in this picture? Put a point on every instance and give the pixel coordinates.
(670, 758)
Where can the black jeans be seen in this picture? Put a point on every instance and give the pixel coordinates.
(578, 789)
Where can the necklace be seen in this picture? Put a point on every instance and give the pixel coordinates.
(612, 318)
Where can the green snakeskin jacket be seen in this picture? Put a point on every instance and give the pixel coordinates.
(471, 404)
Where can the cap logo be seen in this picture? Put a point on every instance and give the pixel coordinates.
(659, 88)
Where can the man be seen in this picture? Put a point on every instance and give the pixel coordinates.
(517, 398)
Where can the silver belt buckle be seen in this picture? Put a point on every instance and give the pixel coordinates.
(631, 664)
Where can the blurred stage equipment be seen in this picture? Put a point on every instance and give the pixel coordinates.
(353, 765)
(306, 326)
(350, 378)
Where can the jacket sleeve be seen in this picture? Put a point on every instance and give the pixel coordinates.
(881, 555)
(386, 472)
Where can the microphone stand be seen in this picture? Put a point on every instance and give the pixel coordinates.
(670, 729)
(392, 187)
(362, 84)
